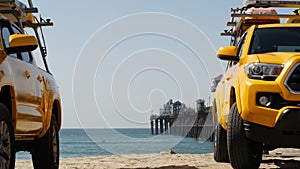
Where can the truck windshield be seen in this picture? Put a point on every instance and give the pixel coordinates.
(286, 39)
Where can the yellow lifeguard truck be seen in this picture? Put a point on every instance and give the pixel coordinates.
(30, 104)
(257, 102)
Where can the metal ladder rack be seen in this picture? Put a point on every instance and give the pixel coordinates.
(17, 12)
(22, 15)
(238, 15)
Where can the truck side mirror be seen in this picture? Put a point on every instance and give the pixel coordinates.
(228, 53)
(21, 43)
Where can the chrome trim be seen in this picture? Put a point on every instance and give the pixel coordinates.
(288, 77)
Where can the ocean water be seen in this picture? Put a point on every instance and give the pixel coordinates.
(95, 142)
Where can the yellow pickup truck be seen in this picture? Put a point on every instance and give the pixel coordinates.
(30, 105)
(257, 102)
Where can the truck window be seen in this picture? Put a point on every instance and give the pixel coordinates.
(5, 36)
(36, 54)
(241, 44)
(286, 39)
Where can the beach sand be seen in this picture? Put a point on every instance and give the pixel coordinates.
(280, 158)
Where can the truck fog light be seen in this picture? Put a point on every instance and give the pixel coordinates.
(264, 101)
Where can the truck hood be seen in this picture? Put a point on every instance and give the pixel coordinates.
(276, 57)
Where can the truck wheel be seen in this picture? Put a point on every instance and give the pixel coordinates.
(220, 145)
(243, 153)
(45, 151)
(7, 140)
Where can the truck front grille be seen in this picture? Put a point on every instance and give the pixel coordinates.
(293, 80)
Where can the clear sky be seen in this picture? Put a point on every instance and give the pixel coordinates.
(159, 50)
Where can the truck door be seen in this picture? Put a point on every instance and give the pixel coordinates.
(29, 119)
(228, 78)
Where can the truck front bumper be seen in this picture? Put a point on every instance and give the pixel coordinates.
(286, 132)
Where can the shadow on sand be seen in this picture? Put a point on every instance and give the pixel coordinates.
(284, 164)
(169, 167)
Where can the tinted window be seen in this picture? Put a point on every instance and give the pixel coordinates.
(5, 38)
(15, 30)
(26, 56)
(241, 45)
(275, 40)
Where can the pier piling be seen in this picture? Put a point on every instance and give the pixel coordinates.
(156, 126)
(161, 125)
(152, 127)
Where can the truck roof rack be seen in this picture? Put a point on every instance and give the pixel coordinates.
(17, 12)
(272, 3)
(238, 20)
(22, 15)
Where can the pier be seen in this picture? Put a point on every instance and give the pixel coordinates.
(177, 119)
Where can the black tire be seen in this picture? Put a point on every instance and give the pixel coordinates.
(243, 153)
(45, 151)
(7, 140)
(220, 145)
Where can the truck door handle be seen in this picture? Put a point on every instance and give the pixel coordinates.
(27, 74)
(39, 78)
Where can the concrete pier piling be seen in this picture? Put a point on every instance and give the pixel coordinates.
(156, 126)
(160, 124)
(152, 127)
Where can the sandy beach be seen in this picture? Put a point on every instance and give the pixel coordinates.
(280, 158)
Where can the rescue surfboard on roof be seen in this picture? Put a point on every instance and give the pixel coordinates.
(262, 11)
(272, 3)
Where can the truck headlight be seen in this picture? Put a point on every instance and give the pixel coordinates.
(263, 71)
